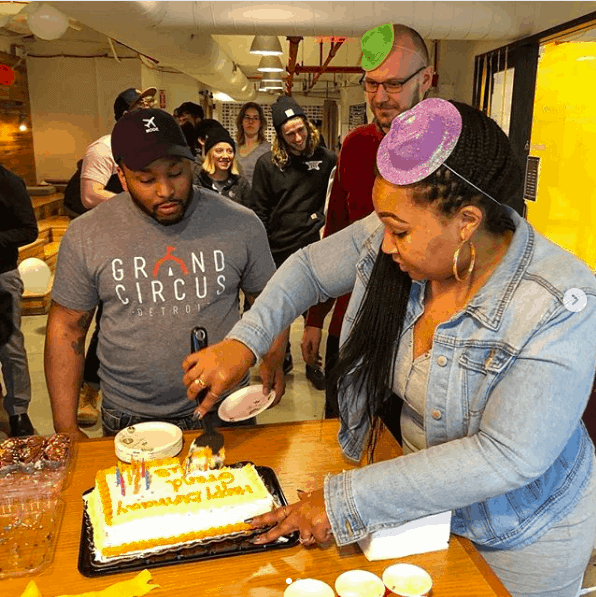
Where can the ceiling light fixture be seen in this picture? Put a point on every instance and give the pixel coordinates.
(270, 64)
(272, 83)
(266, 45)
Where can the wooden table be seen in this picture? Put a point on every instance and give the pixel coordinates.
(301, 454)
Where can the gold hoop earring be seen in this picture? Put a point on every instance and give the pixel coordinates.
(472, 262)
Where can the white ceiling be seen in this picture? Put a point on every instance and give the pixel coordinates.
(199, 38)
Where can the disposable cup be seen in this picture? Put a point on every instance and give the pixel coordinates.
(359, 583)
(407, 580)
(309, 587)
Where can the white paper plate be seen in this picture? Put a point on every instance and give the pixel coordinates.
(407, 580)
(309, 587)
(245, 403)
(148, 441)
(359, 583)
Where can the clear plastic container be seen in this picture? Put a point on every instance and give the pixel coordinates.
(33, 472)
(28, 532)
(34, 466)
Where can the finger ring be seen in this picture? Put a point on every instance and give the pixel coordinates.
(200, 382)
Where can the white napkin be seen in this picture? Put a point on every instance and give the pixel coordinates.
(430, 533)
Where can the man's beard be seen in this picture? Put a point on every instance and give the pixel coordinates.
(165, 221)
(397, 109)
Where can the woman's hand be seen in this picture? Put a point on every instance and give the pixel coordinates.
(217, 368)
(307, 516)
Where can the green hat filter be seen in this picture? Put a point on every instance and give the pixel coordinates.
(376, 45)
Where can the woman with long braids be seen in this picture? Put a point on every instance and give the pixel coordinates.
(483, 331)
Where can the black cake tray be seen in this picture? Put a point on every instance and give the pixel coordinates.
(233, 546)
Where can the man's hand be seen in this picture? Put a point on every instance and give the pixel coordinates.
(311, 342)
(218, 368)
(307, 516)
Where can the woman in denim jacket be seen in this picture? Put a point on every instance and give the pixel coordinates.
(494, 361)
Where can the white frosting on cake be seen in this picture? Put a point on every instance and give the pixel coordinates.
(175, 510)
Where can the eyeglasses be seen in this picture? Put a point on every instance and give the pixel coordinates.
(392, 86)
(252, 118)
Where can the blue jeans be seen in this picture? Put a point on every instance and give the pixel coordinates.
(113, 420)
(13, 357)
(554, 565)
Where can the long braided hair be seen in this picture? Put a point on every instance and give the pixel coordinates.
(482, 155)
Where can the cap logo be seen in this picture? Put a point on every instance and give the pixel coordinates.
(150, 126)
(290, 112)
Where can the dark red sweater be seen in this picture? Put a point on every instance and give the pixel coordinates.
(350, 200)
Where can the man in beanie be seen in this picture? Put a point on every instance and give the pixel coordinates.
(289, 186)
(397, 75)
(97, 182)
(162, 257)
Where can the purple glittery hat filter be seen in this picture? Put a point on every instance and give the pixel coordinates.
(419, 141)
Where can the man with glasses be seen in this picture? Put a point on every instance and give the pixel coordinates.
(397, 75)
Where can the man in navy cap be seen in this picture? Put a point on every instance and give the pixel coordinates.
(289, 187)
(162, 257)
(94, 182)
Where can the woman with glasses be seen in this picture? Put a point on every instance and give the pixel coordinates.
(219, 171)
(251, 125)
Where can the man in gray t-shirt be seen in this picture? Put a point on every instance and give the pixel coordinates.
(162, 258)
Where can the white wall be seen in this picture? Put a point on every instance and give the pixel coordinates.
(72, 104)
(177, 87)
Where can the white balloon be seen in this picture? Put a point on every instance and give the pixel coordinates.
(36, 275)
(48, 23)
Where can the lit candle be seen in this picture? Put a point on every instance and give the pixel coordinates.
(118, 476)
(143, 470)
(147, 479)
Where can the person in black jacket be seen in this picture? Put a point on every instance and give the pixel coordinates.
(18, 227)
(289, 185)
(219, 171)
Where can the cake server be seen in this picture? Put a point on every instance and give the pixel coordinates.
(206, 450)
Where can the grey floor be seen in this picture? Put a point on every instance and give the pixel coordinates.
(300, 402)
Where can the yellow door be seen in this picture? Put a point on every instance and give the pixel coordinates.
(564, 138)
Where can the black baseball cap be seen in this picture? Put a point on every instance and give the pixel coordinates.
(128, 98)
(146, 135)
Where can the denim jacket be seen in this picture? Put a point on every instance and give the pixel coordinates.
(510, 377)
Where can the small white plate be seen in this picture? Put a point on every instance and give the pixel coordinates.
(309, 587)
(245, 403)
(147, 441)
(359, 583)
(407, 580)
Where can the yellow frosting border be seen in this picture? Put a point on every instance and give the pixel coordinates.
(126, 548)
